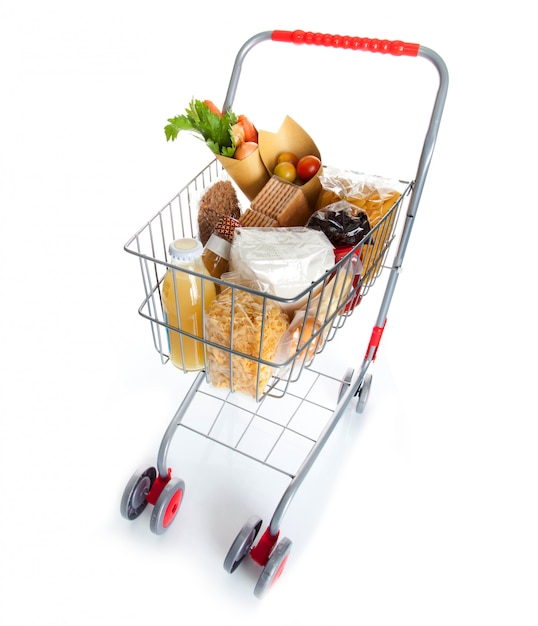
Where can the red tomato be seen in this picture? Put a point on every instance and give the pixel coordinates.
(308, 167)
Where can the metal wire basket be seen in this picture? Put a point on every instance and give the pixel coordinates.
(257, 370)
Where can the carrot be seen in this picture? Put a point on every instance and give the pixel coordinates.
(251, 134)
(213, 107)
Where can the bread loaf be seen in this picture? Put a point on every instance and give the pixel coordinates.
(218, 201)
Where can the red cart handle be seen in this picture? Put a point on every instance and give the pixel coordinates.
(396, 48)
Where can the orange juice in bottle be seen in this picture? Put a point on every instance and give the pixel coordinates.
(185, 296)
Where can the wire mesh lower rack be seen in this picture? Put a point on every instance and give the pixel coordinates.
(279, 436)
(326, 304)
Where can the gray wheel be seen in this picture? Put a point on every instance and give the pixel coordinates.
(364, 392)
(167, 506)
(242, 544)
(133, 501)
(274, 567)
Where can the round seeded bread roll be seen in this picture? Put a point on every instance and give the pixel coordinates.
(218, 201)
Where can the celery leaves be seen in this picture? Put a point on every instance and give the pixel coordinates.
(214, 129)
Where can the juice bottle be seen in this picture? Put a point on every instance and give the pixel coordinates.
(184, 298)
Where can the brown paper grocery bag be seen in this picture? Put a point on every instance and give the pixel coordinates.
(249, 174)
(290, 138)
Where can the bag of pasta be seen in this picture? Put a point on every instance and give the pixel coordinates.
(374, 195)
(248, 327)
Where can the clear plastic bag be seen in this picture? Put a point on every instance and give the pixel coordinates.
(288, 260)
(309, 326)
(343, 223)
(374, 195)
(248, 324)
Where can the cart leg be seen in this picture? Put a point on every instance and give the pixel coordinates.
(162, 466)
(156, 486)
(345, 396)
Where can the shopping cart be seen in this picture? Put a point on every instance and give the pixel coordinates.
(222, 414)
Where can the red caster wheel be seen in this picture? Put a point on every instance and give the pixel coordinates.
(167, 506)
(242, 544)
(274, 567)
(134, 501)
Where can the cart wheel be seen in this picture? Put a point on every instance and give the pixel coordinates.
(364, 392)
(133, 501)
(167, 506)
(274, 567)
(242, 544)
(345, 383)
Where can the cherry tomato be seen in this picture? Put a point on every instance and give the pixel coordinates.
(288, 157)
(286, 171)
(308, 167)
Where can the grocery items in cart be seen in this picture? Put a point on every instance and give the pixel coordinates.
(364, 195)
(296, 268)
(224, 132)
(279, 203)
(247, 323)
(292, 138)
(216, 254)
(354, 253)
(218, 200)
(342, 222)
(261, 333)
(286, 260)
(346, 226)
(232, 138)
(252, 326)
(185, 297)
(311, 324)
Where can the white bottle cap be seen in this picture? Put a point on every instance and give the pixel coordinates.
(186, 249)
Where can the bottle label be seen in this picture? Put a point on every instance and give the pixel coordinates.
(219, 246)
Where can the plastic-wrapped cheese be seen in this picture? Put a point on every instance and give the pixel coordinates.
(287, 260)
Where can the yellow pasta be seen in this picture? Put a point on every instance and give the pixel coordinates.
(240, 373)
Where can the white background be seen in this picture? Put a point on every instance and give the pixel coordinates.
(423, 511)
